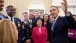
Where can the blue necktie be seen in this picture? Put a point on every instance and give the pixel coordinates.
(52, 27)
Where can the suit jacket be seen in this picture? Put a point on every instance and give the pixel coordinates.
(17, 22)
(39, 37)
(33, 23)
(48, 26)
(27, 31)
(60, 32)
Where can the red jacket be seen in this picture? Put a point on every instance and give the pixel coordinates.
(39, 37)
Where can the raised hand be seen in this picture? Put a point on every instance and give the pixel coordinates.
(64, 6)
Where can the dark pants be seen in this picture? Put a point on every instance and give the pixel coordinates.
(20, 36)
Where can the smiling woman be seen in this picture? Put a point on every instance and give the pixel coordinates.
(39, 33)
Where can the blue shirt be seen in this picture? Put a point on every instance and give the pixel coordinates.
(1, 16)
(44, 25)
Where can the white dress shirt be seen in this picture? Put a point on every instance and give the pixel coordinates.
(10, 18)
(30, 21)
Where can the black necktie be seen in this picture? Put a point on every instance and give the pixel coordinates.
(11, 19)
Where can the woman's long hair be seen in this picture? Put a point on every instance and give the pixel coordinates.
(43, 19)
(7, 32)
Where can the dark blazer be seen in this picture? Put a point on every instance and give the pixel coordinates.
(26, 31)
(19, 27)
(17, 22)
(60, 32)
(48, 27)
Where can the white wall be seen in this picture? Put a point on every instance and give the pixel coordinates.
(71, 9)
(71, 6)
(22, 6)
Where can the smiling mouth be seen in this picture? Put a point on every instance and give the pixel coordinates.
(1, 7)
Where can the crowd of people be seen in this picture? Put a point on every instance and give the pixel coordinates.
(52, 28)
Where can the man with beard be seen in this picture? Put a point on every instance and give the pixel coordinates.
(10, 15)
(1, 8)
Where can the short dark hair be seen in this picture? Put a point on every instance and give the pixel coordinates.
(8, 7)
(55, 7)
(36, 11)
(24, 13)
(37, 20)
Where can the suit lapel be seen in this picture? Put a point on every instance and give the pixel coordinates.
(7, 17)
(57, 21)
(15, 20)
(41, 31)
(38, 31)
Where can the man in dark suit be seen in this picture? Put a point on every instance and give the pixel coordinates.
(36, 15)
(10, 15)
(1, 8)
(60, 25)
(31, 16)
(31, 21)
(26, 26)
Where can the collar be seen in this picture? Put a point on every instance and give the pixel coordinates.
(30, 19)
(25, 22)
(9, 16)
(56, 18)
